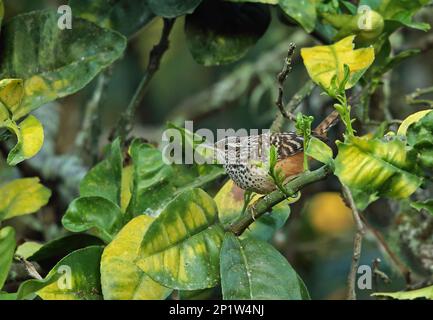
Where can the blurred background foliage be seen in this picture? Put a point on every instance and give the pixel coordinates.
(318, 238)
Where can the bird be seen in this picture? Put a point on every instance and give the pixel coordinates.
(246, 158)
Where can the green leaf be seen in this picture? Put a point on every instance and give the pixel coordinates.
(327, 62)
(27, 249)
(81, 268)
(426, 293)
(11, 93)
(230, 202)
(104, 180)
(30, 138)
(423, 205)
(124, 16)
(181, 248)
(374, 168)
(7, 249)
(52, 62)
(254, 270)
(4, 296)
(192, 141)
(420, 138)
(402, 11)
(157, 183)
(303, 12)
(121, 279)
(221, 32)
(94, 212)
(320, 151)
(22, 196)
(173, 8)
(57, 249)
(410, 120)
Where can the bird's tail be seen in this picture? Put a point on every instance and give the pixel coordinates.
(331, 120)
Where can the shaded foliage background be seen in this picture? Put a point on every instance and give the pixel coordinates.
(318, 239)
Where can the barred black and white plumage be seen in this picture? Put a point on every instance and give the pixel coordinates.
(246, 158)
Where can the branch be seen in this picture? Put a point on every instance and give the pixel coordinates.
(266, 203)
(414, 98)
(357, 245)
(296, 100)
(126, 122)
(281, 78)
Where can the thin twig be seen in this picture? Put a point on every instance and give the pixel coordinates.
(281, 79)
(266, 203)
(414, 98)
(404, 270)
(357, 245)
(296, 100)
(126, 122)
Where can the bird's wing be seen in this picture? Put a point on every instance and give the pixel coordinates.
(287, 144)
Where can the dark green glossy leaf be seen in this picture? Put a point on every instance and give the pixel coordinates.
(57, 249)
(86, 213)
(104, 180)
(254, 270)
(173, 8)
(52, 62)
(303, 12)
(157, 183)
(7, 249)
(221, 32)
(124, 16)
(75, 277)
(180, 250)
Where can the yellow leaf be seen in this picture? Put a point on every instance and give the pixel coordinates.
(22, 196)
(4, 114)
(30, 138)
(126, 185)
(325, 62)
(181, 248)
(11, 93)
(121, 279)
(426, 293)
(411, 120)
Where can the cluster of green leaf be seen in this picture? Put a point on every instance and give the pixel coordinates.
(179, 245)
